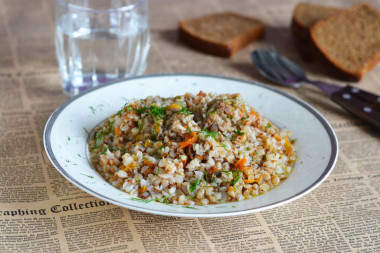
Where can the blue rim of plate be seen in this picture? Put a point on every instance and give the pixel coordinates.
(314, 112)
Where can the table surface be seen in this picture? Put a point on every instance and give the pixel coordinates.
(343, 214)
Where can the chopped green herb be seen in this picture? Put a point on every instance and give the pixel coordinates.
(223, 145)
(157, 112)
(139, 125)
(229, 117)
(185, 111)
(119, 112)
(68, 161)
(68, 138)
(235, 180)
(238, 132)
(79, 155)
(269, 125)
(98, 137)
(87, 175)
(111, 126)
(195, 184)
(206, 177)
(165, 200)
(236, 175)
(104, 150)
(141, 200)
(190, 207)
(92, 109)
(141, 110)
(247, 148)
(226, 171)
(188, 129)
(85, 130)
(208, 133)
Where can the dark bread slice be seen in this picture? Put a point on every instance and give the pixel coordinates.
(221, 34)
(305, 15)
(349, 41)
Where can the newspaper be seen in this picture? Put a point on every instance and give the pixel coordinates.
(40, 211)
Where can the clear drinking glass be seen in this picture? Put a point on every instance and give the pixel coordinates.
(100, 40)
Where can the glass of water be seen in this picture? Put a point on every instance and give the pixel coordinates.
(98, 41)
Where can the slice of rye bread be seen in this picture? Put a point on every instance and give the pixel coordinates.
(305, 15)
(221, 34)
(349, 41)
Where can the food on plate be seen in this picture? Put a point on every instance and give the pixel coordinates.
(191, 149)
(221, 34)
(349, 41)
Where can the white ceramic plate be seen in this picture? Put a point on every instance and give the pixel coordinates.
(66, 134)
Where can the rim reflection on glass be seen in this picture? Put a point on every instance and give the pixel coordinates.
(87, 9)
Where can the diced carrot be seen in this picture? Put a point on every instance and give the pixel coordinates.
(148, 171)
(184, 161)
(241, 138)
(288, 146)
(199, 157)
(240, 163)
(212, 170)
(142, 189)
(190, 139)
(156, 127)
(148, 163)
(251, 181)
(117, 130)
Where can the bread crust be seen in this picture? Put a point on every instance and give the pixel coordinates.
(219, 48)
(301, 33)
(339, 71)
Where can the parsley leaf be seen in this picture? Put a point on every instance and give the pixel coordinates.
(236, 175)
(185, 111)
(141, 110)
(238, 132)
(98, 137)
(195, 184)
(157, 112)
(139, 124)
(208, 133)
(223, 145)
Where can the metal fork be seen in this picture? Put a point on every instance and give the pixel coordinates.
(281, 70)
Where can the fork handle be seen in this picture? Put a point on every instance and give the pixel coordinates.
(363, 104)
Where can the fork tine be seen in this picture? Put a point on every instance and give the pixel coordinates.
(294, 70)
(266, 66)
(271, 56)
(262, 66)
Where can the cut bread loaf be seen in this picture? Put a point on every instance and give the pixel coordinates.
(221, 34)
(305, 15)
(349, 41)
